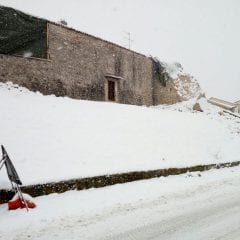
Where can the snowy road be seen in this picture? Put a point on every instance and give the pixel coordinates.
(191, 206)
(218, 219)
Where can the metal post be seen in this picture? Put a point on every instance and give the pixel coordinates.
(130, 40)
(3, 161)
(21, 196)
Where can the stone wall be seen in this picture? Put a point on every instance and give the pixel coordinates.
(167, 94)
(169, 88)
(78, 66)
(107, 180)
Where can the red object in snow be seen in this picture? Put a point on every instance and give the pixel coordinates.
(16, 203)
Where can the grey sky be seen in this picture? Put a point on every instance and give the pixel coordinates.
(203, 35)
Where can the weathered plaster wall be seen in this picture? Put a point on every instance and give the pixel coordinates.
(77, 67)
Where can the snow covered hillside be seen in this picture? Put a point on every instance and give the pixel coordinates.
(50, 138)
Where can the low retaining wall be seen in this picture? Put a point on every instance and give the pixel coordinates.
(107, 180)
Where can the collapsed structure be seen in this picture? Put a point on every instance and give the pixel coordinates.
(233, 107)
(54, 59)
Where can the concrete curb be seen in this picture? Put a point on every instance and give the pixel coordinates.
(107, 180)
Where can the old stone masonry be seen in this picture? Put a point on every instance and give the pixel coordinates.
(54, 59)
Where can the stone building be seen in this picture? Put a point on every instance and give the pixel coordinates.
(54, 59)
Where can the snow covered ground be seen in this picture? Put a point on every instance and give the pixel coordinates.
(190, 206)
(212, 112)
(50, 138)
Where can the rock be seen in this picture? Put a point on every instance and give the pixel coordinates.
(221, 113)
(197, 107)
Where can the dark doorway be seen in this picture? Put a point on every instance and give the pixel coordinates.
(111, 90)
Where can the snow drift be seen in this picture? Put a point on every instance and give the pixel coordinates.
(50, 138)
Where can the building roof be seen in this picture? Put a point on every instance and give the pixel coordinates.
(222, 103)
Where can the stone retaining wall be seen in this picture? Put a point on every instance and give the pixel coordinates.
(107, 180)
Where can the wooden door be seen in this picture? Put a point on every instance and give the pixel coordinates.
(111, 90)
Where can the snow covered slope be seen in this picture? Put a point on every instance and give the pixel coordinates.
(50, 138)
